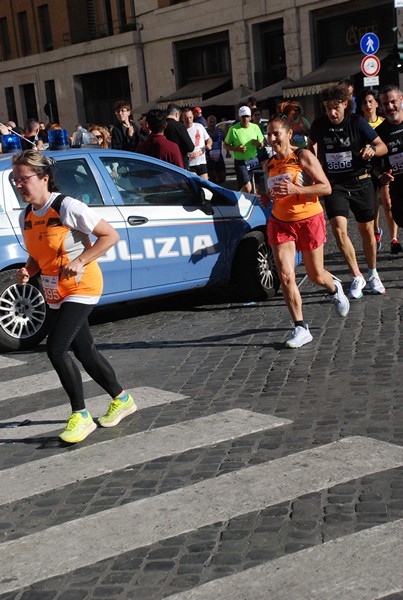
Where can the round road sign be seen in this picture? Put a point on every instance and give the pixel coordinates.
(369, 43)
(370, 65)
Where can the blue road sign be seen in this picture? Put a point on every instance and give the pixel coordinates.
(369, 43)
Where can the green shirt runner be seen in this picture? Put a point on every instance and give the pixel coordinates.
(238, 135)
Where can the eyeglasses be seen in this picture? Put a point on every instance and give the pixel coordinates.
(22, 179)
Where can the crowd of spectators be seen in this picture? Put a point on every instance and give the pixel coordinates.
(347, 156)
(184, 137)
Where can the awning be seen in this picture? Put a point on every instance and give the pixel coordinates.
(275, 90)
(230, 98)
(331, 72)
(192, 93)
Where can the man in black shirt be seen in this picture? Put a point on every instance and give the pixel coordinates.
(345, 143)
(31, 139)
(390, 173)
(176, 131)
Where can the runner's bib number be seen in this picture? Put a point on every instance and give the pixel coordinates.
(396, 162)
(273, 181)
(339, 161)
(50, 285)
(198, 151)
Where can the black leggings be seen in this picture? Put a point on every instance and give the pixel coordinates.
(70, 330)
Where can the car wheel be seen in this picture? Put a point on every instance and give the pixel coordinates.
(23, 313)
(255, 272)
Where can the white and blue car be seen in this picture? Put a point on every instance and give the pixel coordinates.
(177, 232)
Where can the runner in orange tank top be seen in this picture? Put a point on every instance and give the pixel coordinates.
(56, 233)
(295, 182)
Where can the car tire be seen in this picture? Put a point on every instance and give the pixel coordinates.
(255, 272)
(24, 315)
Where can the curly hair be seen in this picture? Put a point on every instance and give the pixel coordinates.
(338, 92)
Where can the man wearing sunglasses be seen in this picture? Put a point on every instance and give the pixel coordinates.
(345, 144)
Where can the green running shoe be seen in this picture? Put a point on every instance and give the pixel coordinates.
(117, 411)
(77, 428)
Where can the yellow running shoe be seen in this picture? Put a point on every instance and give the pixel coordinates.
(117, 411)
(77, 428)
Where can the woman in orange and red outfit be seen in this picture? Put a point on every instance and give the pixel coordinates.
(295, 182)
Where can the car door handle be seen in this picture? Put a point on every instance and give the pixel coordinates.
(137, 220)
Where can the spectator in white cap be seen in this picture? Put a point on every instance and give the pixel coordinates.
(244, 139)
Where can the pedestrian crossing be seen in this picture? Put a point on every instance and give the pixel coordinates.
(362, 565)
(104, 457)
(7, 362)
(52, 419)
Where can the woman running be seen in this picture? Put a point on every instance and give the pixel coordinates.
(295, 182)
(56, 232)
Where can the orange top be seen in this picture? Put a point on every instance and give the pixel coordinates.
(294, 207)
(52, 245)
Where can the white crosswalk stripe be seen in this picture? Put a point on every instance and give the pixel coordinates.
(104, 457)
(51, 419)
(361, 566)
(6, 362)
(137, 524)
(345, 568)
(32, 384)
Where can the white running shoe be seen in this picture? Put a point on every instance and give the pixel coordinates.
(376, 285)
(356, 287)
(300, 336)
(339, 300)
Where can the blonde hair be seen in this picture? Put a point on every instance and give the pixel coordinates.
(105, 135)
(39, 163)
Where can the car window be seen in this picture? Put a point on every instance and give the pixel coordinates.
(139, 182)
(74, 178)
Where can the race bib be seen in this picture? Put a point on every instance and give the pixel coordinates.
(50, 285)
(339, 162)
(273, 181)
(198, 151)
(396, 162)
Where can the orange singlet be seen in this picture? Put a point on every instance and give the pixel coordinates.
(295, 207)
(52, 245)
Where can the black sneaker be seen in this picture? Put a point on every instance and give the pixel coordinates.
(395, 247)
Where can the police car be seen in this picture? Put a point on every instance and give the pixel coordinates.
(177, 232)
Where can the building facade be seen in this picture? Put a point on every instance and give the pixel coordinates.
(70, 60)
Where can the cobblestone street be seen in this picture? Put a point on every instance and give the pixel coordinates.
(324, 461)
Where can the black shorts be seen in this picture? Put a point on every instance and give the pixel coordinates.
(199, 169)
(396, 199)
(357, 196)
(244, 169)
(216, 165)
